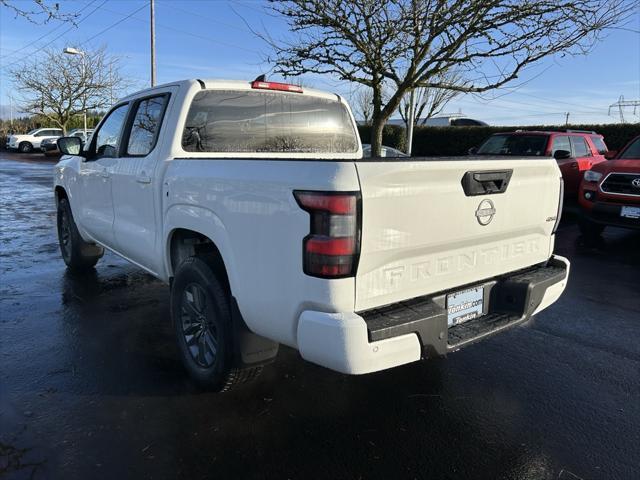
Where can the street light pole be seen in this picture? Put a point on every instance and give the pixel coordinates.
(153, 44)
(75, 51)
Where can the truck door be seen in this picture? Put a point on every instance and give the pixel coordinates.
(568, 166)
(96, 202)
(136, 188)
(583, 161)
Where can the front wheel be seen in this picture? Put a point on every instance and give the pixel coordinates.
(76, 253)
(25, 147)
(201, 314)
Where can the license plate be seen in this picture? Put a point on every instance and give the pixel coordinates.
(464, 305)
(630, 212)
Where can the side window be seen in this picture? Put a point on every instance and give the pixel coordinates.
(146, 125)
(580, 148)
(560, 142)
(41, 133)
(108, 137)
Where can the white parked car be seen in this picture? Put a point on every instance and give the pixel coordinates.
(455, 120)
(253, 202)
(31, 141)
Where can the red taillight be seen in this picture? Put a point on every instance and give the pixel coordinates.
(284, 87)
(332, 247)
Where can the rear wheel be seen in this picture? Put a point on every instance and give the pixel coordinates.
(76, 253)
(589, 228)
(201, 314)
(25, 147)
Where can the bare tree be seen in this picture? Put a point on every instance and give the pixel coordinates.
(59, 86)
(362, 103)
(429, 101)
(38, 11)
(410, 43)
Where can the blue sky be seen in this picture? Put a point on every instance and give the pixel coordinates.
(209, 39)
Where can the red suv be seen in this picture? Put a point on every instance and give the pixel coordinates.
(610, 192)
(575, 150)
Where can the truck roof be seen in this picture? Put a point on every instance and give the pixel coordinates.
(221, 84)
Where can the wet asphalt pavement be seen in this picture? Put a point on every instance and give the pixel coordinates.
(91, 386)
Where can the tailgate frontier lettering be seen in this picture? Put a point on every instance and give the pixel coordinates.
(450, 264)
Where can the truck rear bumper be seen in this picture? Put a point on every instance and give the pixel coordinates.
(386, 337)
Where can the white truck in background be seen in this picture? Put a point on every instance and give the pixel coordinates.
(253, 202)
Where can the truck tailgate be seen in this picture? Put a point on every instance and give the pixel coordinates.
(421, 233)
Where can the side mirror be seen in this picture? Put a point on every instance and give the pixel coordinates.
(611, 154)
(561, 154)
(472, 150)
(70, 145)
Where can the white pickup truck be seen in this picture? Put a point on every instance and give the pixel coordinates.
(253, 202)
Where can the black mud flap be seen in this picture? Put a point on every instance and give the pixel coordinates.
(251, 350)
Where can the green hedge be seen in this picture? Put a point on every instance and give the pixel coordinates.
(392, 136)
(434, 141)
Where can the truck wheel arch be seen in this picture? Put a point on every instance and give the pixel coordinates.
(60, 193)
(250, 349)
(188, 230)
(184, 243)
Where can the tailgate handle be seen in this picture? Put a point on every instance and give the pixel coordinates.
(485, 182)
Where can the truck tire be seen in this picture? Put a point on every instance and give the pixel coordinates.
(25, 147)
(76, 253)
(590, 229)
(202, 321)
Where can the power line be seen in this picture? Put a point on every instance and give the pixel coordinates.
(552, 103)
(172, 6)
(195, 35)
(116, 23)
(4, 57)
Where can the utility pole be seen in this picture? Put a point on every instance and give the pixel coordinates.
(153, 44)
(566, 119)
(11, 112)
(621, 103)
(411, 122)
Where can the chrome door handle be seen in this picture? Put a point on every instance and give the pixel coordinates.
(143, 179)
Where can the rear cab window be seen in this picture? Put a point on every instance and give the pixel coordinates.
(247, 121)
(146, 125)
(515, 145)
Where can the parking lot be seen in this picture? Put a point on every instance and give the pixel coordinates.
(91, 385)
